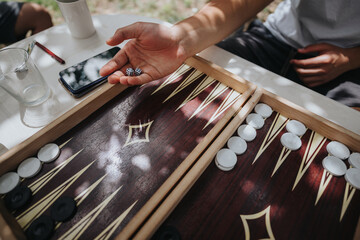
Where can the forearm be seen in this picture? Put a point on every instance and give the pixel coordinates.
(214, 22)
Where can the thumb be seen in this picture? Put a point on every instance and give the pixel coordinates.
(124, 33)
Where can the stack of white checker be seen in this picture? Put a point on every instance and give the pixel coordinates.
(226, 158)
(338, 153)
(291, 140)
(30, 167)
(335, 163)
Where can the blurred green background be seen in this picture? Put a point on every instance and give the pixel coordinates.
(168, 10)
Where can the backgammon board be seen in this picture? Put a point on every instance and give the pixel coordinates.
(272, 192)
(122, 151)
(140, 160)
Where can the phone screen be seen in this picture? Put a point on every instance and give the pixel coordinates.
(82, 77)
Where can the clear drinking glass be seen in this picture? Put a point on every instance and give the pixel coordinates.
(20, 77)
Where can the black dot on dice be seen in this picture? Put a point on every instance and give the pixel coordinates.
(18, 197)
(138, 71)
(40, 229)
(63, 209)
(130, 72)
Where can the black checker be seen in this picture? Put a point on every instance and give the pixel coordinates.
(18, 197)
(63, 209)
(41, 229)
(167, 233)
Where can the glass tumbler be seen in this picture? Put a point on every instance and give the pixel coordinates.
(20, 77)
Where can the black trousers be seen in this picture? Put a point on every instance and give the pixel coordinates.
(259, 46)
(9, 12)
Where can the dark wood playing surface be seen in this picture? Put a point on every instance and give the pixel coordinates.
(123, 174)
(212, 207)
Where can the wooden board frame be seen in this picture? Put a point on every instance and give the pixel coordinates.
(11, 159)
(280, 105)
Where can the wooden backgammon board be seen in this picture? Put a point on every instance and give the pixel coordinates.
(118, 162)
(139, 162)
(272, 192)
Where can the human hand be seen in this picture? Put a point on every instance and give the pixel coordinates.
(330, 62)
(153, 48)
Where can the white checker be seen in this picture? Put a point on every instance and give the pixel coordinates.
(29, 167)
(237, 145)
(334, 165)
(354, 160)
(222, 168)
(225, 159)
(8, 182)
(255, 120)
(290, 141)
(48, 153)
(263, 109)
(296, 127)
(352, 176)
(338, 149)
(246, 132)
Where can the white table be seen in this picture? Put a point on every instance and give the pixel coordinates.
(58, 39)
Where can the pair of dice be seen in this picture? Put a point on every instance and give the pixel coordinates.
(132, 72)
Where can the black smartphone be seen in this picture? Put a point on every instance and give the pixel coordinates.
(81, 78)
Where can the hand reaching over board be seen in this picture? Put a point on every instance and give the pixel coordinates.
(153, 48)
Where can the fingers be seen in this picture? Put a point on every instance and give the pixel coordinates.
(120, 77)
(124, 33)
(115, 77)
(121, 58)
(311, 62)
(116, 69)
(314, 48)
(118, 61)
(313, 77)
(138, 80)
(310, 72)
